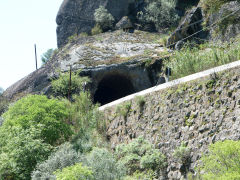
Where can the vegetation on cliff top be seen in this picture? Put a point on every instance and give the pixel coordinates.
(192, 59)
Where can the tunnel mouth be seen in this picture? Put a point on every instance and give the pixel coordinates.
(113, 87)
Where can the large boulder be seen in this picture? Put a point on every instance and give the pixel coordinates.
(186, 30)
(124, 23)
(76, 16)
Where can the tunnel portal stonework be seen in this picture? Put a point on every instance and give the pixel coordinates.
(115, 81)
(112, 87)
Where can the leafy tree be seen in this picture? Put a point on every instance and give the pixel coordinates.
(222, 161)
(61, 85)
(47, 55)
(103, 18)
(63, 157)
(76, 172)
(20, 150)
(38, 109)
(160, 12)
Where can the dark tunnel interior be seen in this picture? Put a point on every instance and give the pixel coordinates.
(113, 87)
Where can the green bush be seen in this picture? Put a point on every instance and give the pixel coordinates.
(83, 113)
(86, 118)
(76, 172)
(182, 153)
(140, 155)
(104, 165)
(61, 85)
(124, 108)
(82, 141)
(222, 161)
(140, 101)
(160, 12)
(20, 150)
(37, 109)
(96, 30)
(103, 18)
(63, 157)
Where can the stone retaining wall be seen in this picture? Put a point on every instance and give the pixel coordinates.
(198, 113)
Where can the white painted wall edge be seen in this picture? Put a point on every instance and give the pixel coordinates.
(173, 83)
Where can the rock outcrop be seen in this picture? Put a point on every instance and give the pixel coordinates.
(229, 22)
(191, 24)
(124, 23)
(76, 16)
(222, 25)
(102, 57)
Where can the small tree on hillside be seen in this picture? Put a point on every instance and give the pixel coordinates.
(47, 55)
(103, 18)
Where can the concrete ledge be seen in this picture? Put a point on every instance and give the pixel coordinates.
(173, 83)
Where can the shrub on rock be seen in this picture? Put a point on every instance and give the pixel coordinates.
(103, 18)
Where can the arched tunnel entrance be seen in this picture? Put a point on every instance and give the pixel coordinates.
(113, 87)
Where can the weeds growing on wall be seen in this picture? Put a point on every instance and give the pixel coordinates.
(140, 102)
(124, 109)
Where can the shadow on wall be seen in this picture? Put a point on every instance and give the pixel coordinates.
(113, 87)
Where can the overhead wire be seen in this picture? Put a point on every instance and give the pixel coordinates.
(208, 27)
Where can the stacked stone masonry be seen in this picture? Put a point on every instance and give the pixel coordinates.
(197, 113)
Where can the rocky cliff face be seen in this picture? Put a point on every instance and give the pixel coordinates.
(76, 16)
(229, 22)
(222, 25)
(197, 113)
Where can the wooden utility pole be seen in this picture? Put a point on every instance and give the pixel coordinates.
(35, 47)
(70, 83)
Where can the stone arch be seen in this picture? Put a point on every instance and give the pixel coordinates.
(113, 87)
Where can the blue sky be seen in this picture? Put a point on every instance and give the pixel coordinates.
(24, 23)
